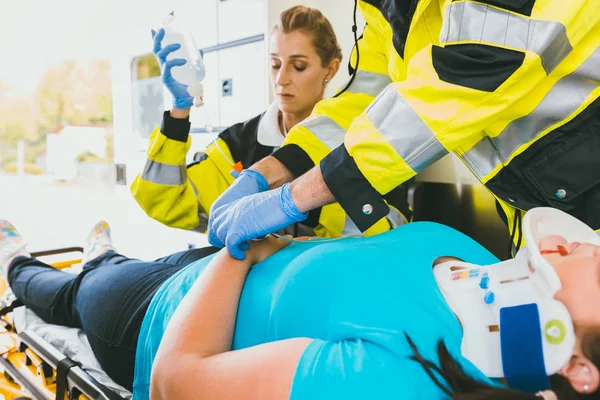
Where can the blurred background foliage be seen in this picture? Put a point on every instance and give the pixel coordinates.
(69, 93)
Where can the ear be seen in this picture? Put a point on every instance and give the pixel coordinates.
(333, 68)
(582, 374)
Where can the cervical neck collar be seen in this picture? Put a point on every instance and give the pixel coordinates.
(512, 325)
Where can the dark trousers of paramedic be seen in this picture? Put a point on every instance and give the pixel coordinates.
(108, 300)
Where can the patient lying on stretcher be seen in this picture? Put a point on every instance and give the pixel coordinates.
(352, 319)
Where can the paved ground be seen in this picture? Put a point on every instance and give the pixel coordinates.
(51, 214)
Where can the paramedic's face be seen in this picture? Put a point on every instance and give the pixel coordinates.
(296, 72)
(578, 268)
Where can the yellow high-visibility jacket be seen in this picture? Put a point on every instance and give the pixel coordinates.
(180, 195)
(510, 86)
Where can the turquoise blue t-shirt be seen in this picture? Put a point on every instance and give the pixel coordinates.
(356, 297)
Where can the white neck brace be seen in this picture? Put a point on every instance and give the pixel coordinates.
(477, 294)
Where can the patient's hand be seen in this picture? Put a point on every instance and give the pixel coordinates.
(265, 248)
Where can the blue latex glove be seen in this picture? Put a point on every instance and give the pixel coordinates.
(248, 182)
(181, 96)
(255, 216)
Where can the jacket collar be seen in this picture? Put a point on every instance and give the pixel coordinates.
(268, 132)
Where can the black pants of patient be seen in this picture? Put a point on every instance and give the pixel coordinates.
(108, 300)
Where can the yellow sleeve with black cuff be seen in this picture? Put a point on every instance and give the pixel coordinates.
(173, 193)
(484, 74)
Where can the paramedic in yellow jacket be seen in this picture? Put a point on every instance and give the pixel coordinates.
(510, 86)
(305, 56)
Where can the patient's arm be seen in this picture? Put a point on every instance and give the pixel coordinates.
(195, 358)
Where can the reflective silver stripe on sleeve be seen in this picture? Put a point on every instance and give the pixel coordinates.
(202, 217)
(559, 103)
(350, 228)
(475, 22)
(195, 191)
(164, 174)
(203, 223)
(370, 83)
(395, 217)
(405, 130)
(326, 130)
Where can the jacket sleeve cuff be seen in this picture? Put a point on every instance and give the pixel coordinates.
(294, 159)
(175, 128)
(363, 204)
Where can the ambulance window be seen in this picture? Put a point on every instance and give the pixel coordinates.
(147, 67)
(147, 91)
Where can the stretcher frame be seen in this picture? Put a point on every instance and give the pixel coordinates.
(30, 366)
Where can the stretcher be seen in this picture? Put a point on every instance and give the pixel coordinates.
(33, 368)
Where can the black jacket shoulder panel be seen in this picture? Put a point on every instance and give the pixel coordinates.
(560, 170)
(242, 141)
(476, 66)
(523, 7)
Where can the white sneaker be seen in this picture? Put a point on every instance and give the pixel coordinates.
(98, 242)
(12, 245)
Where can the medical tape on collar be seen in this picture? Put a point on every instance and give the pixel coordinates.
(522, 351)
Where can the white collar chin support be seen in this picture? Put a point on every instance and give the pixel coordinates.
(512, 325)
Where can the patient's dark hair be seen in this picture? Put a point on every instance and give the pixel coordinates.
(460, 386)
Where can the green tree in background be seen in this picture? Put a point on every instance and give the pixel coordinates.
(17, 121)
(50, 96)
(17, 118)
(67, 94)
(75, 94)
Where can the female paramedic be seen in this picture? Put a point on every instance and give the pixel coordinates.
(305, 56)
(418, 312)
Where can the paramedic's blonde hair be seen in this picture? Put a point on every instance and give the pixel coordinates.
(312, 22)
